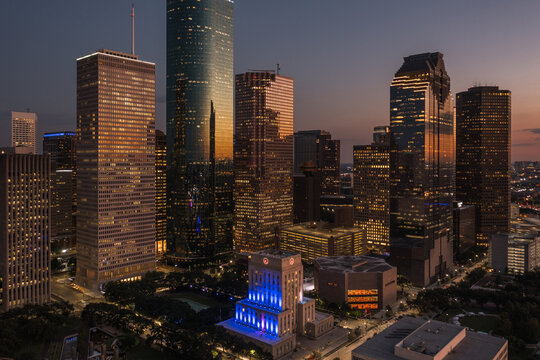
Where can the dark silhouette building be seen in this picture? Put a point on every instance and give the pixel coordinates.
(483, 157)
(372, 190)
(307, 194)
(464, 227)
(337, 210)
(422, 169)
(60, 147)
(200, 99)
(263, 158)
(161, 193)
(319, 147)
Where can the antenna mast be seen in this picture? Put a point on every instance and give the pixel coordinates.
(132, 29)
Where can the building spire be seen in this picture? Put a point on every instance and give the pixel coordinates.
(132, 29)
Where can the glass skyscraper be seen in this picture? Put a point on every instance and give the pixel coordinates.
(200, 95)
(422, 177)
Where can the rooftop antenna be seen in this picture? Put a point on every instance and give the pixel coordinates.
(277, 69)
(132, 29)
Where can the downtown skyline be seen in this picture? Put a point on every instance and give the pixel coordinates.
(348, 96)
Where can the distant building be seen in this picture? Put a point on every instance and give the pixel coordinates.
(263, 158)
(23, 130)
(416, 339)
(483, 157)
(276, 310)
(514, 253)
(372, 190)
(313, 240)
(116, 217)
(307, 194)
(464, 227)
(25, 253)
(422, 169)
(337, 210)
(61, 148)
(346, 183)
(362, 282)
(318, 147)
(161, 193)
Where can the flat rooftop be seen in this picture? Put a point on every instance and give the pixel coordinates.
(359, 264)
(275, 253)
(434, 333)
(320, 231)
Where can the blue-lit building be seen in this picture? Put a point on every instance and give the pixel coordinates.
(276, 310)
(200, 97)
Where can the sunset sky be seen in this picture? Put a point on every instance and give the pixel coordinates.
(341, 53)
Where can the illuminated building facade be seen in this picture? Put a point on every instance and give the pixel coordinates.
(317, 146)
(483, 157)
(200, 100)
(263, 158)
(362, 282)
(372, 190)
(60, 147)
(161, 193)
(23, 130)
(422, 169)
(276, 309)
(313, 240)
(116, 220)
(24, 229)
(514, 253)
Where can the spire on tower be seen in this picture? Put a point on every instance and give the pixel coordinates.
(132, 29)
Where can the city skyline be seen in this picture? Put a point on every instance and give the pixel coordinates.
(346, 105)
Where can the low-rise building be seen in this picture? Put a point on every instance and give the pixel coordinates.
(276, 311)
(362, 282)
(514, 252)
(316, 239)
(416, 339)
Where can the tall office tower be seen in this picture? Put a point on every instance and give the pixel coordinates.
(263, 158)
(24, 229)
(200, 99)
(116, 220)
(483, 157)
(60, 147)
(317, 146)
(372, 190)
(307, 194)
(23, 130)
(161, 193)
(421, 168)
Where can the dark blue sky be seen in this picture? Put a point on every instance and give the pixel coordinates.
(341, 53)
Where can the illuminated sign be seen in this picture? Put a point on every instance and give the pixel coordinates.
(291, 261)
(265, 261)
(363, 292)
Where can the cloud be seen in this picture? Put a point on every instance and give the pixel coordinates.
(534, 131)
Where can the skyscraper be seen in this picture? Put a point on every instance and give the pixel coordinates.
(483, 157)
(60, 147)
(263, 158)
(24, 229)
(23, 130)
(307, 194)
(161, 193)
(421, 168)
(372, 190)
(319, 147)
(115, 168)
(200, 98)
